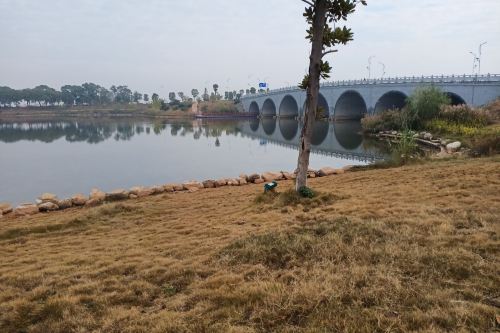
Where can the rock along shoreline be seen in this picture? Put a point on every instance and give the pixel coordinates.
(48, 202)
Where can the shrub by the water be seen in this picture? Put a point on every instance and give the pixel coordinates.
(486, 143)
(493, 110)
(425, 104)
(383, 121)
(463, 114)
(440, 126)
(218, 107)
(430, 109)
(406, 148)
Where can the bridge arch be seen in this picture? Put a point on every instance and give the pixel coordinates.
(350, 105)
(391, 100)
(323, 104)
(455, 99)
(289, 107)
(268, 108)
(253, 108)
(269, 125)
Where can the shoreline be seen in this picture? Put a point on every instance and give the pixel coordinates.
(114, 111)
(10, 115)
(48, 202)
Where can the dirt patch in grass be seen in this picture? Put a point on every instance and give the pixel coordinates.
(414, 248)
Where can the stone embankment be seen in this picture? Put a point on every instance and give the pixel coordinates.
(49, 202)
(445, 146)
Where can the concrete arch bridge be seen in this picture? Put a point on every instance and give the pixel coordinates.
(352, 99)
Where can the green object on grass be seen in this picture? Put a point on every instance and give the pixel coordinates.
(270, 186)
(306, 192)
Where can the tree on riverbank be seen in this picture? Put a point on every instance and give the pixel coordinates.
(206, 96)
(69, 95)
(172, 97)
(323, 33)
(195, 93)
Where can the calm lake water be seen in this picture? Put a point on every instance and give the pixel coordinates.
(72, 156)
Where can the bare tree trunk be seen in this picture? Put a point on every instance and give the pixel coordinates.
(319, 22)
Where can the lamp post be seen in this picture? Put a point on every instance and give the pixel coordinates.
(480, 54)
(369, 67)
(383, 68)
(475, 58)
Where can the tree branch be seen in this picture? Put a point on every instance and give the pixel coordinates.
(327, 52)
(308, 2)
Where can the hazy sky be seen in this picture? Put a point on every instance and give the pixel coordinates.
(165, 45)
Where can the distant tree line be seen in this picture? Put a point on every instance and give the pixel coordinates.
(214, 95)
(94, 94)
(69, 95)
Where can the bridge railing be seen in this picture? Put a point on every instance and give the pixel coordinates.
(396, 80)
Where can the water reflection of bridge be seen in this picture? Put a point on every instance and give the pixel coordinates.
(337, 139)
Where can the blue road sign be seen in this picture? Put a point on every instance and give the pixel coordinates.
(262, 85)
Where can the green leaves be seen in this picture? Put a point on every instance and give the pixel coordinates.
(325, 69)
(324, 72)
(338, 10)
(336, 36)
(305, 82)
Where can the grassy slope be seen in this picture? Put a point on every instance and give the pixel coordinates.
(408, 249)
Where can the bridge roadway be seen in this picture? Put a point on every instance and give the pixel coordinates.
(338, 139)
(353, 99)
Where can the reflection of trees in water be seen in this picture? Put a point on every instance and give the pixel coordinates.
(49, 132)
(92, 131)
(158, 127)
(77, 131)
(45, 132)
(206, 129)
(124, 132)
(90, 134)
(217, 129)
(175, 128)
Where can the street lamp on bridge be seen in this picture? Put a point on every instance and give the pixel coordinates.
(474, 60)
(480, 54)
(369, 67)
(383, 68)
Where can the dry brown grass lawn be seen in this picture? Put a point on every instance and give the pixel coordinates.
(397, 250)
